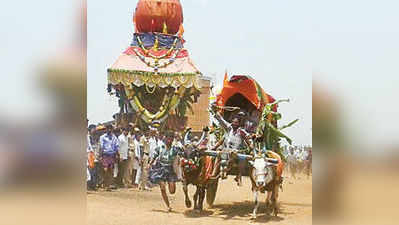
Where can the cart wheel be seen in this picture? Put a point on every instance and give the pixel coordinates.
(211, 192)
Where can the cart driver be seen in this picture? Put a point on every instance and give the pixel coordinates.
(233, 140)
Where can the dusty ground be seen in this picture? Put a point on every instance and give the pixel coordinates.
(233, 205)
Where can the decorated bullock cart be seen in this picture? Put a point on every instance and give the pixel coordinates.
(244, 96)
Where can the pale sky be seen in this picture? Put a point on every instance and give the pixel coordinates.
(355, 57)
(33, 34)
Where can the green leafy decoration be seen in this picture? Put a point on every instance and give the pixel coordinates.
(268, 134)
(288, 125)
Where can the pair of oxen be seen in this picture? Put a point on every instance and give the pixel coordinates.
(265, 172)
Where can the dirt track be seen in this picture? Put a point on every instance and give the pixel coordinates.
(233, 205)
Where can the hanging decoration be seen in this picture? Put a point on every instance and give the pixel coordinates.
(156, 65)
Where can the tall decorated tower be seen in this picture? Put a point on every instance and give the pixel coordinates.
(154, 78)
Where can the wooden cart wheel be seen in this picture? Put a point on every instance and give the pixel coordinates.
(211, 193)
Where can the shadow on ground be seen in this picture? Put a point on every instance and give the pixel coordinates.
(129, 194)
(296, 204)
(165, 211)
(196, 214)
(243, 211)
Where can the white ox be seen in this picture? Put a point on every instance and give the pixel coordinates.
(263, 177)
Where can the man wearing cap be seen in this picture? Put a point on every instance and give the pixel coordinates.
(109, 147)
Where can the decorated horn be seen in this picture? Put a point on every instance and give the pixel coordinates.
(230, 108)
(211, 153)
(271, 160)
(243, 156)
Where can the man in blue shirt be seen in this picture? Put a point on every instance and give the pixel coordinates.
(109, 150)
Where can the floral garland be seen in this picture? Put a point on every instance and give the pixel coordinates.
(156, 64)
(168, 104)
(148, 89)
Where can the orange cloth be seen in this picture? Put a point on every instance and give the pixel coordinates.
(90, 159)
(206, 171)
(280, 165)
(246, 87)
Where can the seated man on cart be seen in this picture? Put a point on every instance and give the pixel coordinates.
(233, 142)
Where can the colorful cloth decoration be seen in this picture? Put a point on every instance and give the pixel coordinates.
(164, 41)
(246, 86)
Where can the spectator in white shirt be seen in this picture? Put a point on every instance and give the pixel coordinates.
(138, 156)
(144, 152)
(123, 153)
(153, 142)
(292, 162)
